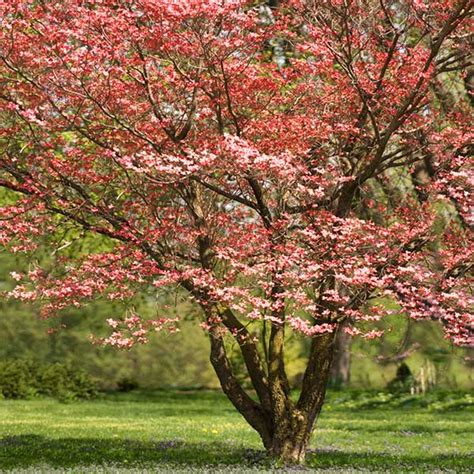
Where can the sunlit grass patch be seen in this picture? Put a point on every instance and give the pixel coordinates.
(170, 431)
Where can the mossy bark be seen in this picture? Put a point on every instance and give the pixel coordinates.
(285, 425)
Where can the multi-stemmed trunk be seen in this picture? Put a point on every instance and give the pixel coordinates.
(284, 424)
(291, 435)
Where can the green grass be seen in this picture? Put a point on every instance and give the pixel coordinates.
(200, 431)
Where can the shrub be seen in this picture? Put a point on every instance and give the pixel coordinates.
(26, 379)
(127, 384)
(436, 400)
(17, 379)
(403, 381)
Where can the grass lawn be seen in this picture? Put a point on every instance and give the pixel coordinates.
(201, 432)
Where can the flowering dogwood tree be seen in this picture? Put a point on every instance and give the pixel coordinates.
(291, 166)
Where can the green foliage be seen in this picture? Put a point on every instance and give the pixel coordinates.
(18, 379)
(64, 382)
(180, 359)
(403, 381)
(26, 379)
(437, 400)
(169, 431)
(127, 384)
(374, 363)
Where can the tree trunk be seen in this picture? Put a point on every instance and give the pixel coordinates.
(341, 365)
(284, 426)
(291, 449)
(292, 432)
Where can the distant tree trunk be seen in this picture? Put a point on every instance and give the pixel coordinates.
(339, 376)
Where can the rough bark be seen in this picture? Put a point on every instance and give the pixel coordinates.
(250, 355)
(247, 407)
(294, 429)
(316, 376)
(291, 447)
(285, 427)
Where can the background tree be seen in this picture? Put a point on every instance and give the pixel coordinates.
(166, 129)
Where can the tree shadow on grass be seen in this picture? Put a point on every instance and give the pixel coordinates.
(34, 450)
